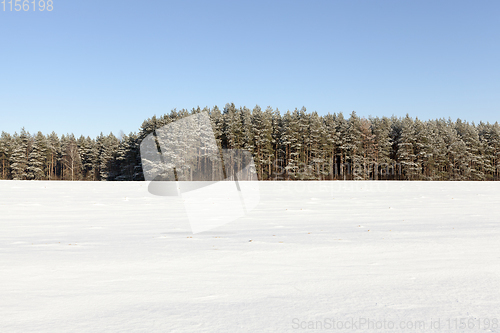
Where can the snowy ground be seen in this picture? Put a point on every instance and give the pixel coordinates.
(102, 257)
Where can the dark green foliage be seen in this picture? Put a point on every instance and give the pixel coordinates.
(19, 156)
(296, 145)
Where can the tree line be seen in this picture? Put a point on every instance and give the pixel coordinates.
(295, 145)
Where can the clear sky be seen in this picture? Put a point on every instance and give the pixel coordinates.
(91, 66)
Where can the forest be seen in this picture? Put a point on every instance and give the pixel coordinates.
(295, 145)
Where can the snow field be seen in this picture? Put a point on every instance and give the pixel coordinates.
(109, 256)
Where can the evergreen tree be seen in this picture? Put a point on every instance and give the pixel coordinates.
(317, 147)
(490, 138)
(290, 140)
(85, 148)
(342, 127)
(368, 149)
(5, 153)
(406, 156)
(354, 147)
(305, 169)
(19, 156)
(37, 158)
(53, 152)
(381, 129)
(262, 129)
(331, 142)
(277, 147)
(71, 158)
(217, 125)
(126, 156)
(248, 136)
(422, 150)
(107, 158)
(439, 151)
(232, 127)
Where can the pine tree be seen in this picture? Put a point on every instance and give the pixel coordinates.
(495, 142)
(5, 153)
(217, 125)
(53, 151)
(232, 127)
(330, 145)
(457, 153)
(470, 136)
(291, 142)
(368, 149)
(266, 141)
(423, 150)
(382, 129)
(305, 169)
(107, 157)
(248, 137)
(262, 129)
(71, 158)
(19, 156)
(37, 158)
(406, 156)
(437, 165)
(317, 147)
(277, 146)
(354, 147)
(126, 156)
(85, 148)
(342, 128)
(61, 157)
(490, 138)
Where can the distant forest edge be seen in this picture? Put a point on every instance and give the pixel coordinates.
(292, 146)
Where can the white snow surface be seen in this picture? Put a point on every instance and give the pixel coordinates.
(110, 257)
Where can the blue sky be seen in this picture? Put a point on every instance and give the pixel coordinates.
(92, 66)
